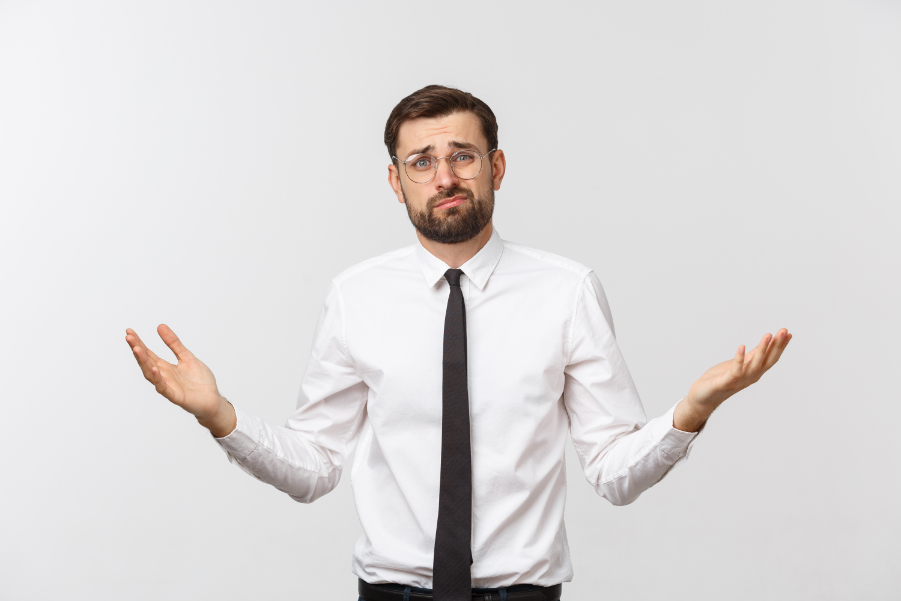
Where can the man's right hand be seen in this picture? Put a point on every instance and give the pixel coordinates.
(190, 384)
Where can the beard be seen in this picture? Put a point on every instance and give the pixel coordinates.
(456, 224)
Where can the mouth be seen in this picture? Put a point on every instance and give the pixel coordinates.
(450, 202)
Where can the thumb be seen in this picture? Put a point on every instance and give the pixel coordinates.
(172, 341)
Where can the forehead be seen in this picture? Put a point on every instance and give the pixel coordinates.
(439, 132)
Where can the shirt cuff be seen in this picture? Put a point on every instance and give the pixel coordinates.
(672, 441)
(244, 439)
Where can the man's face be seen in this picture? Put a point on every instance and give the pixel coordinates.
(448, 209)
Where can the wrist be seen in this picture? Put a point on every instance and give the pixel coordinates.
(688, 418)
(223, 422)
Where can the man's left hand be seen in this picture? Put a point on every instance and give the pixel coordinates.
(725, 379)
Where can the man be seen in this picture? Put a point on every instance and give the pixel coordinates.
(457, 366)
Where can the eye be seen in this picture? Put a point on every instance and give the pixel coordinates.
(464, 157)
(422, 162)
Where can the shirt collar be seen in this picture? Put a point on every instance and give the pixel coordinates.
(478, 269)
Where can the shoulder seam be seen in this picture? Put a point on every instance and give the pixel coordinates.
(341, 310)
(572, 324)
(563, 263)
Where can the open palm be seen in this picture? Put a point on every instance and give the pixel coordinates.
(725, 379)
(189, 384)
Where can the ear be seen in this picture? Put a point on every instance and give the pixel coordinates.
(394, 182)
(498, 167)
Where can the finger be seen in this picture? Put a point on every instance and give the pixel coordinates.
(779, 343)
(161, 379)
(156, 377)
(738, 363)
(760, 352)
(132, 338)
(750, 355)
(172, 341)
(144, 362)
(147, 360)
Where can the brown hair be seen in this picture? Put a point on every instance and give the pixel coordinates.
(439, 101)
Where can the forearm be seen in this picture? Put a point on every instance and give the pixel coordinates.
(281, 457)
(640, 459)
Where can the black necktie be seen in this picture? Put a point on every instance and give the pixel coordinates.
(451, 579)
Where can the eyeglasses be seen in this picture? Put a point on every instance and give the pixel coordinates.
(421, 168)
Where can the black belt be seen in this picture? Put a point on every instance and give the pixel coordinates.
(394, 592)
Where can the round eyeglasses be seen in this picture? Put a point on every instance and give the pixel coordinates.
(421, 168)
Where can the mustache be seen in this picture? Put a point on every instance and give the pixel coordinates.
(450, 193)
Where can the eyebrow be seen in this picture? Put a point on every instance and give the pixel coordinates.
(422, 150)
(453, 144)
(463, 145)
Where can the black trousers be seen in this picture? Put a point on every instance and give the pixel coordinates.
(512, 593)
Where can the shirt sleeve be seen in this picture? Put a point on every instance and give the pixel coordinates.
(622, 454)
(305, 457)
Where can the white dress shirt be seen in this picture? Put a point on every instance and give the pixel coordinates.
(543, 361)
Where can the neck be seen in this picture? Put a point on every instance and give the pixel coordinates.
(456, 255)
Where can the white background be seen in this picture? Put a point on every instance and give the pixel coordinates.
(727, 168)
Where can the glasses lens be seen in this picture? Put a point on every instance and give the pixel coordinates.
(466, 164)
(420, 168)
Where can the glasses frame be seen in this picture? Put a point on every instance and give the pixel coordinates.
(449, 162)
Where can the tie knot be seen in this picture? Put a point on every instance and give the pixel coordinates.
(453, 276)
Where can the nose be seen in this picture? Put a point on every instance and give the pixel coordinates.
(445, 177)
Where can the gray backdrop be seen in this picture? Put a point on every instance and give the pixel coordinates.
(727, 168)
